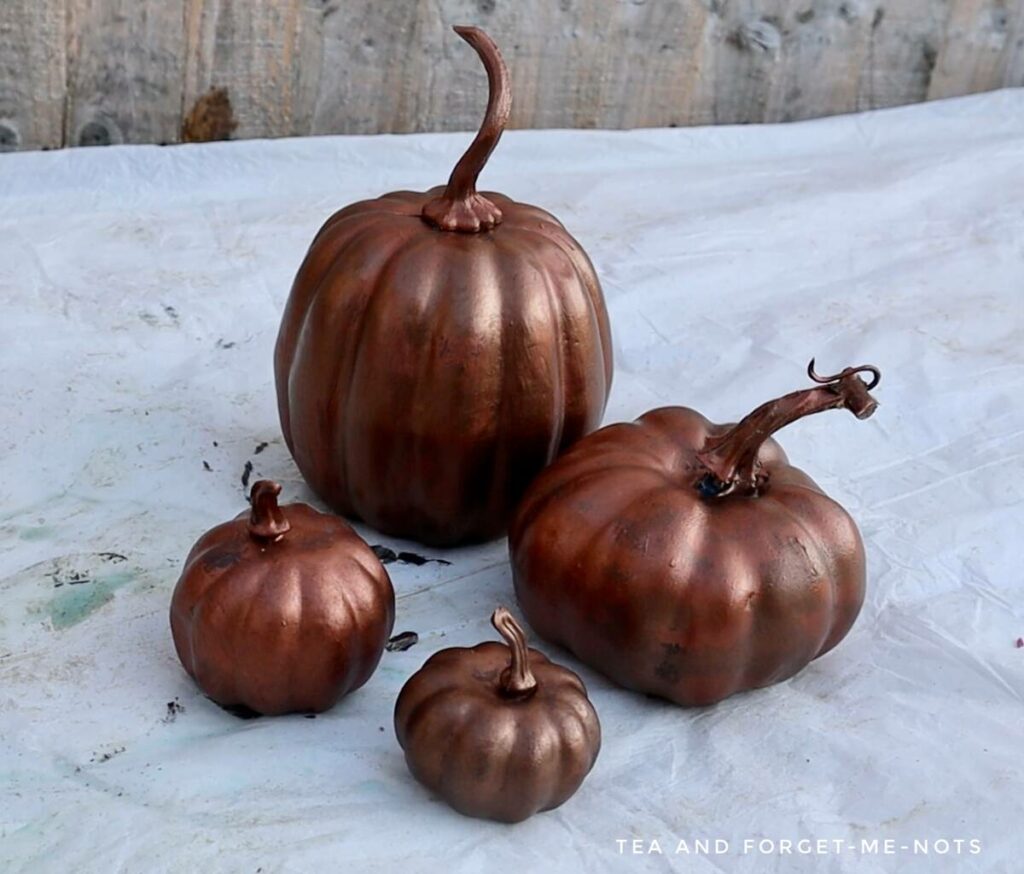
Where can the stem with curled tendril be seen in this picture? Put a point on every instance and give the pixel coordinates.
(730, 460)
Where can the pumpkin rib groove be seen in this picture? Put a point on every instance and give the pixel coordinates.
(343, 378)
(838, 602)
(296, 367)
(367, 209)
(357, 616)
(698, 429)
(532, 786)
(679, 630)
(244, 629)
(568, 758)
(376, 293)
(424, 380)
(500, 350)
(290, 334)
(559, 381)
(828, 573)
(453, 754)
(749, 661)
(352, 661)
(290, 580)
(586, 273)
(217, 607)
(496, 496)
(575, 254)
(601, 533)
(624, 432)
(421, 735)
(533, 508)
(512, 781)
(325, 297)
(596, 332)
(731, 678)
(411, 719)
(195, 600)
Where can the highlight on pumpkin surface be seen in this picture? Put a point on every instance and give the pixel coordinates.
(428, 448)
(449, 712)
(756, 570)
(254, 615)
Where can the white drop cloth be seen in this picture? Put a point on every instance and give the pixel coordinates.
(140, 292)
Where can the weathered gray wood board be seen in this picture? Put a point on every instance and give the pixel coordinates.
(75, 72)
(125, 68)
(33, 73)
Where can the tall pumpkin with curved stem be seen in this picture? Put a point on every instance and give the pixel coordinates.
(440, 348)
(691, 560)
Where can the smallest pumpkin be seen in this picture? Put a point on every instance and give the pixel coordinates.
(281, 610)
(499, 732)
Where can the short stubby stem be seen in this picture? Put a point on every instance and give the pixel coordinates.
(460, 208)
(731, 460)
(267, 520)
(517, 680)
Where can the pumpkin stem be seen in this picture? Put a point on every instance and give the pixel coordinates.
(267, 521)
(460, 208)
(731, 459)
(517, 680)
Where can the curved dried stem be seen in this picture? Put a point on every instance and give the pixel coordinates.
(460, 208)
(266, 520)
(517, 680)
(731, 459)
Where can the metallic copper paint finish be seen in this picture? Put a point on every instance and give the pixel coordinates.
(690, 560)
(499, 732)
(439, 349)
(283, 609)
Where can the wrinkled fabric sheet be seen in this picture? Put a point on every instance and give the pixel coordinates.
(141, 290)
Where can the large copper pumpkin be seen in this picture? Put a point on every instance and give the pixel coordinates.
(284, 609)
(499, 732)
(439, 348)
(690, 560)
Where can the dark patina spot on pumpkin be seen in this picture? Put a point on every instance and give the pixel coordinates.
(221, 558)
(669, 668)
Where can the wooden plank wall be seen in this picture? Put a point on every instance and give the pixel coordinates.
(85, 72)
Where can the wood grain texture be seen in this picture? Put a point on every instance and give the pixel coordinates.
(983, 42)
(33, 77)
(125, 68)
(262, 53)
(83, 71)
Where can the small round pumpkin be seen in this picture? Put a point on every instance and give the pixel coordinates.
(439, 348)
(283, 609)
(690, 560)
(499, 732)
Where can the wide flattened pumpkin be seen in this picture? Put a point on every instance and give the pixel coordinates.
(440, 348)
(498, 731)
(690, 560)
